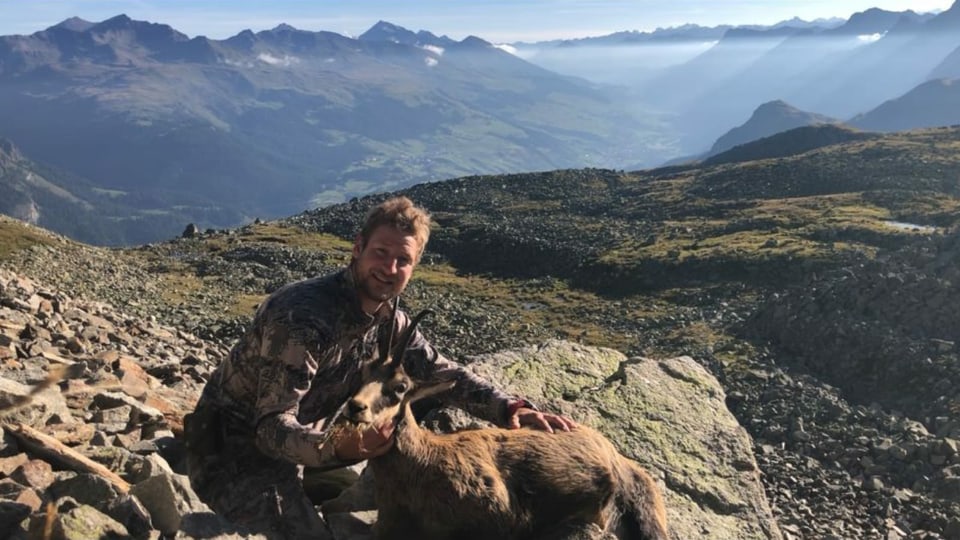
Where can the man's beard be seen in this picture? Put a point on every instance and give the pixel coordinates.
(377, 290)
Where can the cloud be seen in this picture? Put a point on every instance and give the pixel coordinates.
(286, 61)
(869, 38)
(433, 48)
(430, 61)
(507, 48)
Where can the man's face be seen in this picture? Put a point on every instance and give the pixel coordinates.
(384, 265)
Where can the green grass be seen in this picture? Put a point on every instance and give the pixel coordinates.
(15, 236)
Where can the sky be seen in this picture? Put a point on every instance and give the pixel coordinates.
(499, 21)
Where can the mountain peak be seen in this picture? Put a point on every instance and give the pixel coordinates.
(118, 21)
(775, 106)
(474, 41)
(768, 119)
(385, 31)
(283, 27)
(75, 24)
(948, 19)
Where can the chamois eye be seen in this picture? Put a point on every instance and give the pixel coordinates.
(400, 388)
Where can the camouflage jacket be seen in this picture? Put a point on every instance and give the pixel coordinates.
(301, 360)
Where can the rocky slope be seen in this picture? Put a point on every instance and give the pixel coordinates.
(830, 466)
(97, 454)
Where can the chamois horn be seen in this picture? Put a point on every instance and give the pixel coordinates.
(385, 345)
(403, 342)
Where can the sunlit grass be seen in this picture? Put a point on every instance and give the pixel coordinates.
(15, 236)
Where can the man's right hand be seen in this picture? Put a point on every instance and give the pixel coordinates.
(358, 445)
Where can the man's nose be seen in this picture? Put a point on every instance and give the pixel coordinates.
(391, 266)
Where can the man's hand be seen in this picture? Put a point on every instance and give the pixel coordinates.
(539, 420)
(358, 445)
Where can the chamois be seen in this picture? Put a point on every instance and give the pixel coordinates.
(496, 483)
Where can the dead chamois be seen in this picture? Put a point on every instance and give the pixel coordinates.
(496, 483)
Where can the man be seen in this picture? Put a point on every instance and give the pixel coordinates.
(264, 414)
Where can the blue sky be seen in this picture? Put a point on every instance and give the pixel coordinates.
(493, 20)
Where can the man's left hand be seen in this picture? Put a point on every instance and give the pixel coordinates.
(540, 420)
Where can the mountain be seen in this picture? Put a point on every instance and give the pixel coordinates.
(867, 76)
(770, 118)
(949, 68)
(876, 21)
(384, 31)
(635, 59)
(680, 86)
(58, 200)
(790, 143)
(933, 103)
(701, 88)
(784, 70)
(272, 122)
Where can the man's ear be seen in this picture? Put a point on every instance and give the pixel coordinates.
(357, 245)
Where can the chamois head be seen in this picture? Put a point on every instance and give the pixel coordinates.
(386, 387)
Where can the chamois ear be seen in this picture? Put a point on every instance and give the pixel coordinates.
(404, 341)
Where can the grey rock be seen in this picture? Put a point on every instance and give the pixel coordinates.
(169, 498)
(79, 523)
(87, 489)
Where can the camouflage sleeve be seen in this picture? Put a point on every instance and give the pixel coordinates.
(471, 393)
(288, 368)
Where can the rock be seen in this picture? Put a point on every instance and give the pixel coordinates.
(11, 515)
(169, 498)
(130, 512)
(13, 491)
(10, 464)
(35, 473)
(85, 489)
(41, 407)
(79, 523)
(190, 231)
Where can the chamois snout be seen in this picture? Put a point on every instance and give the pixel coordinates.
(355, 408)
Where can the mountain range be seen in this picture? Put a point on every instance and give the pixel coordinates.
(709, 80)
(123, 131)
(270, 123)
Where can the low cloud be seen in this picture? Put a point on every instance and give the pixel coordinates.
(433, 48)
(286, 61)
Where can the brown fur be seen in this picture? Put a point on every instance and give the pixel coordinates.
(500, 483)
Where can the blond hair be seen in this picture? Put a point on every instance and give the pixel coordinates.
(402, 214)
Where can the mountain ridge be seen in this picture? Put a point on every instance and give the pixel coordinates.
(196, 124)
